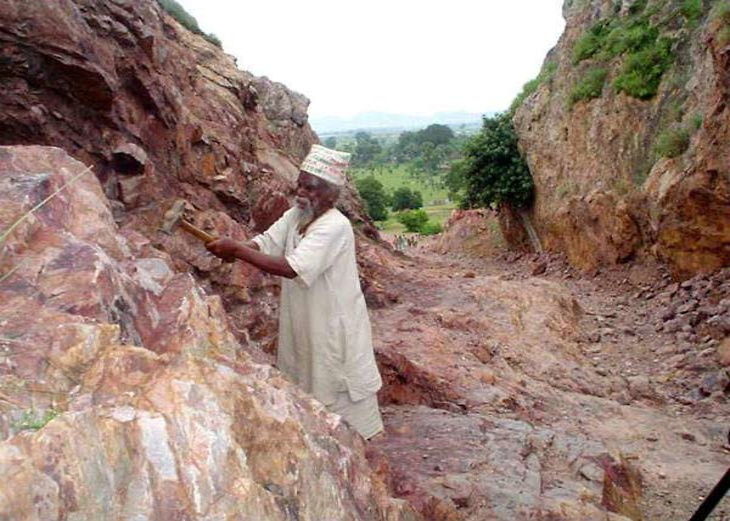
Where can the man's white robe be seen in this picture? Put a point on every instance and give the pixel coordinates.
(325, 342)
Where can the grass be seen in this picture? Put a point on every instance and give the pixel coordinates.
(435, 197)
(592, 41)
(32, 420)
(394, 177)
(647, 54)
(436, 214)
(178, 12)
(590, 86)
(720, 16)
(692, 10)
(642, 71)
(697, 120)
(672, 142)
(546, 74)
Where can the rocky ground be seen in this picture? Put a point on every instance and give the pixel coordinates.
(518, 388)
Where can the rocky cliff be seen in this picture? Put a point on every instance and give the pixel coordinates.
(139, 346)
(626, 135)
(160, 113)
(146, 405)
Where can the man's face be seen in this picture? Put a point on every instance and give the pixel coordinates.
(308, 192)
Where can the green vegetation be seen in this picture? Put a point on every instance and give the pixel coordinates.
(425, 152)
(642, 71)
(32, 420)
(212, 38)
(589, 87)
(631, 37)
(406, 199)
(178, 12)
(697, 121)
(366, 149)
(403, 171)
(431, 228)
(545, 76)
(672, 142)
(638, 7)
(395, 176)
(492, 171)
(720, 16)
(647, 54)
(373, 194)
(413, 220)
(418, 221)
(591, 42)
(692, 10)
(437, 216)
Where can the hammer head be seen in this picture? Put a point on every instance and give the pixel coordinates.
(174, 215)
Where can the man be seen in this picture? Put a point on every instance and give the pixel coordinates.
(324, 330)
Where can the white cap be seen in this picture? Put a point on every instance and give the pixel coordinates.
(327, 164)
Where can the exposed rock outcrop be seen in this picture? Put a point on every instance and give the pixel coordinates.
(160, 113)
(603, 195)
(514, 397)
(158, 412)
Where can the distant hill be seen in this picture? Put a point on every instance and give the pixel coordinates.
(382, 120)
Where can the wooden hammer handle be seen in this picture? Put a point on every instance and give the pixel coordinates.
(194, 230)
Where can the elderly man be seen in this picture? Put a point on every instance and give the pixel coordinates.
(324, 330)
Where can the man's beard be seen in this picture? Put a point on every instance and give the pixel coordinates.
(306, 210)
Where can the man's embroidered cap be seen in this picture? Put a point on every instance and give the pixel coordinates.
(327, 164)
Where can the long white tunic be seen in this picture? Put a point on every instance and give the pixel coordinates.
(325, 342)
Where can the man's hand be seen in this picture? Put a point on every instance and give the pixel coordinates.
(226, 249)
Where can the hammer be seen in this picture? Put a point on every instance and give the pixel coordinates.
(174, 216)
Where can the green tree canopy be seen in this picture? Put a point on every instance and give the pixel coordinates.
(406, 199)
(436, 134)
(330, 142)
(493, 171)
(421, 144)
(366, 148)
(376, 200)
(413, 220)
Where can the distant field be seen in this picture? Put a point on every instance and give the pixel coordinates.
(438, 214)
(397, 176)
(435, 197)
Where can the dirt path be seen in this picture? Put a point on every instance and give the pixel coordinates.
(519, 389)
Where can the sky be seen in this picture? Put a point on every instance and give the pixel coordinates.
(394, 56)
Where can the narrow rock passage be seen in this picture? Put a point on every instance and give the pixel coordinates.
(555, 396)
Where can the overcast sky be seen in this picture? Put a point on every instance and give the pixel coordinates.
(399, 56)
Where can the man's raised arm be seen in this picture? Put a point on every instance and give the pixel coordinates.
(228, 249)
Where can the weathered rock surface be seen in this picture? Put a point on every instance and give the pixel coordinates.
(160, 114)
(601, 196)
(475, 232)
(504, 406)
(159, 413)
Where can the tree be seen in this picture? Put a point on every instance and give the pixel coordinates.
(413, 220)
(493, 171)
(366, 148)
(436, 134)
(330, 142)
(406, 199)
(376, 200)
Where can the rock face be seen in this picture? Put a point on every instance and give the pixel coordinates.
(512, 397)
(135, 352)
(160, 114)
(155, 412)
(603, 195)
(473, 232)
